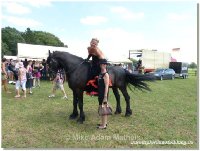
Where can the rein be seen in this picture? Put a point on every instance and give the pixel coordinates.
(75, 67)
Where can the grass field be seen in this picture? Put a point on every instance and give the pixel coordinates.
(163, 118)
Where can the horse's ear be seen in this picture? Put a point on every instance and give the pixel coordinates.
(49, 53)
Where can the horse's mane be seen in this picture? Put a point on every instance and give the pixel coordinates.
(66, 55)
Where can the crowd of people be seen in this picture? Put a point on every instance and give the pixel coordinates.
(25, 75)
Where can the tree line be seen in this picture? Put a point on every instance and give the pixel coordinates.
(11, 36)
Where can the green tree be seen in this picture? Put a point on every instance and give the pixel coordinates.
(134, 61)
(4, 49)
(28, 36)
(10, 38)
(193, 65)
(41, 38)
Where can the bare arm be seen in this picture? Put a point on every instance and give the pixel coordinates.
(27, 68)
(42, 67)
(4, 68)
(100, 53)
(20, 75)
(89, 56)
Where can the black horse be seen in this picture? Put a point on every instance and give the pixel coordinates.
(77, 69)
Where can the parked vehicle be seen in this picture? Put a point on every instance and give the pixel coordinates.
(180, 68)
(164, 74)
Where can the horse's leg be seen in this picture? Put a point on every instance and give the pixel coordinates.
(75, 102)
(80, 105)
(117, 97)
(127, 99)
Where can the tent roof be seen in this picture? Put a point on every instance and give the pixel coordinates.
(10, 57)
(36, 51)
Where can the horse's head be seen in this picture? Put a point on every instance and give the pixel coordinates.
(53, 65)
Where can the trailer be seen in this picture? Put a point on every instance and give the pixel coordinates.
(149, 60)
(180, 68)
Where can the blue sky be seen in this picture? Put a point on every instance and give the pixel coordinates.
(120, 26)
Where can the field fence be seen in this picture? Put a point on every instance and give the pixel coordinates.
(192, 72)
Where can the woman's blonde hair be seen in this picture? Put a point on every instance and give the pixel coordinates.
(95, 39)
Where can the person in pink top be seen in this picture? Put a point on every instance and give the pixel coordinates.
(58, 84)
(21, 82)
(29, 76)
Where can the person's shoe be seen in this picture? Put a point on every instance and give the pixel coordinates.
(30, 92)
(17, 96)
(101, 124)
(64, 97)
(23, 96)
(51, 96)
(101, 127)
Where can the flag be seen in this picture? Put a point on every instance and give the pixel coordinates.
(173, 59)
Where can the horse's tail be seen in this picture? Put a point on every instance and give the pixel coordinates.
(137, 80)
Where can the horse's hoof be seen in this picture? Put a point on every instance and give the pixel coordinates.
(118, 112)
(80, 121)
(128, 113)
(73, 116)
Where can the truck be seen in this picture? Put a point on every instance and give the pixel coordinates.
(149, 60)
(180, 68)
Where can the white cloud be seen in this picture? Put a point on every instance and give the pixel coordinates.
(19, 21)
(126, 14)
(39, 3)
(93, 20)
(21, 7)
(178, 17)
(15, 8)
(116, 42)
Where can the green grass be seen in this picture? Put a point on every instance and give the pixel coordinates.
(168, 113)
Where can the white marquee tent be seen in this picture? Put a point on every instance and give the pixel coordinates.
(30, 51)
(39, 52)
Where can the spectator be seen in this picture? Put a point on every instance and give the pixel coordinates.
(4, 75)
(21, 82)
(58, 84)
(17, 65)
(29, 83)
(44, 70)
(36, 70)
(25, 63)
(11, 67)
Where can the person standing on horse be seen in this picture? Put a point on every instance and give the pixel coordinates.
(99, 64)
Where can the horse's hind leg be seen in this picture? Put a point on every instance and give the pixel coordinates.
(117, 96)
(75, 102)
(127, 99)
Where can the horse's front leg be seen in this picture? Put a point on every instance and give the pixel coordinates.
(75, 102)
(80, 104)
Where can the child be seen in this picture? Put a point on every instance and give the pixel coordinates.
(58, 84)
